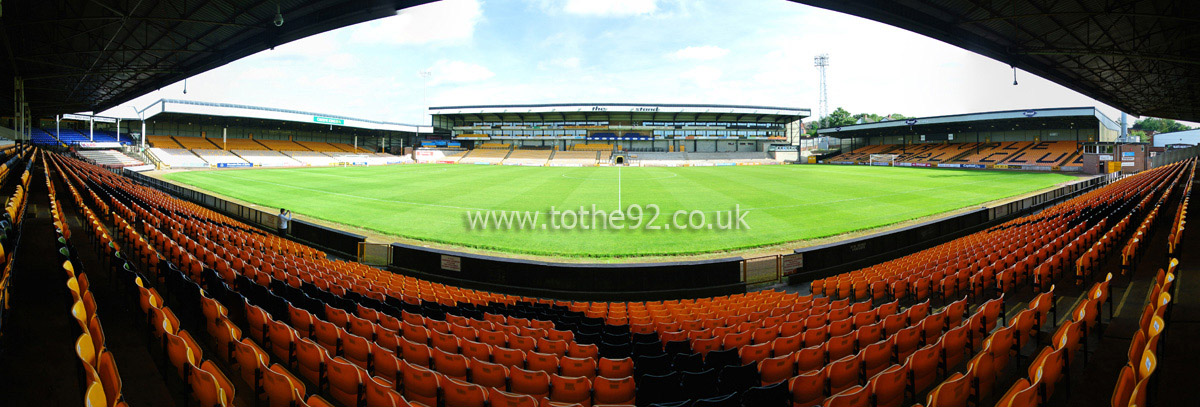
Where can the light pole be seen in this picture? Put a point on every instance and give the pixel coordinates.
(425, 75)
(822, 63)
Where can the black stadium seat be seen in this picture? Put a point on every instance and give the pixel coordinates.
(727, 400)
(699, 384)
(738, 378)
(775, 395)
(658, 388)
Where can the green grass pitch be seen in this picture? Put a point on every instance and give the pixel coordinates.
(782, 203)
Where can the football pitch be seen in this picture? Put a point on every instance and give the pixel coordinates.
(678, 211)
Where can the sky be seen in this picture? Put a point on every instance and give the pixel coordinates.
(757, 52)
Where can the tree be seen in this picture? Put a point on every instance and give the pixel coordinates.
(1156, 125)
(1141, 135)
(839, 117)
(868, 118)
(842, 117)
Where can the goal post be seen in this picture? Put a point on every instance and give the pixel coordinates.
(884, 159)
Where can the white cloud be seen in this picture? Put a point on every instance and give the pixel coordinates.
(445, 71)
(610, 8)
(560, 63)
(447, 21)
(261, 73)
(702, 53)
(341, 60)
(704, 76)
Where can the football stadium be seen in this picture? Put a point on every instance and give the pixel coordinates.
(511, 245)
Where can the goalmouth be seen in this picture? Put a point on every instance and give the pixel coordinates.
(884, 159)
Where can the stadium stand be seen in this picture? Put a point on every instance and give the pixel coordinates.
(1132, 382)
(70, 136)
(43, 138)
(102, 380)
(661, 159)
(991, 153)
(349, 148)
(281, 145)
(379, 158)
(294, 326)
(177, 157)
(528, 157)
(218, 157)
(863, 154)
(1054, 153)
(266, 158)
(1079, 228)
(729, 158)
(109, 158)
(493, 146)
(1022, 153)
(575, 158)
(243, 144)
(14, 171)
(193, 143)
(592, 147)
(179, 151)
(442, 156)
(112, 136)
(927, 153)
(485, 156)
(676, 159)
(318, 147)
(163, 142)
(312, 157)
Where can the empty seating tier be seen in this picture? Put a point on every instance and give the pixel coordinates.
(218, 157)
(177, 157)
(1016, 153)
(238, 144)
(575, 158)
(592, 147)
(109, 158)
(484, 156)
(193, 143)
(297, 328)
(163, 142)
(266, 158)
(528, 157)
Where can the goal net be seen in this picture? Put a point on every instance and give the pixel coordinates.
(883, 159)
